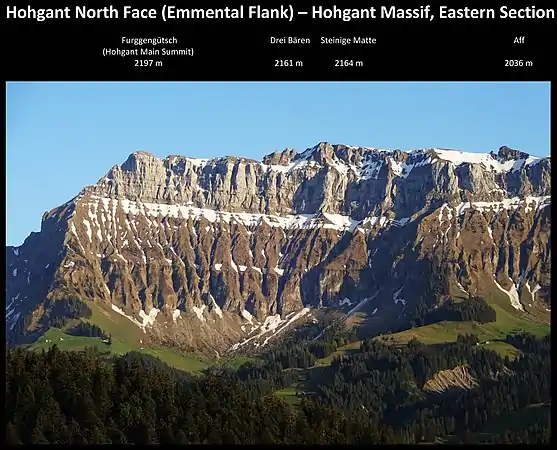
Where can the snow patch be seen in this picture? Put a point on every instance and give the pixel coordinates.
(271, 324)
(396, 298)
(121, 312)
(507, 203)
(118, 255)
(11, 303)
(197, 162)
(216, 307)
(246, 315)
(334, 222)
(175, 315)
(199, 312)
(487, 160)
(403, 169)
(233, 264)
(461, 287)
(74, 231)
(369, 222)
(512, 293)
(442, 210)
(537, 287)
(13, 321)
(301, 221)
(490, 231)
(361, 304)
(88, 229)
(292, 320)
(398, 222)
(149, 319)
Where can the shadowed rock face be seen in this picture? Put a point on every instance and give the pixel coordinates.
(230, 250)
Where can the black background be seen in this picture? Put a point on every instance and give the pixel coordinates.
(63, 49)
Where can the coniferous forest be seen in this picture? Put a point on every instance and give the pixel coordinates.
(374, 395)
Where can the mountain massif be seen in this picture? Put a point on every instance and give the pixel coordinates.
(220, 255)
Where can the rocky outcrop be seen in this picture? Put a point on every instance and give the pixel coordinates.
(443, 381)
(459, 378)
(231, 251)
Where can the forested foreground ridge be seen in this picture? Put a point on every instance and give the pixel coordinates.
(381, 393)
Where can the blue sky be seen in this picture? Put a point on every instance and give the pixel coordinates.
(63, 136)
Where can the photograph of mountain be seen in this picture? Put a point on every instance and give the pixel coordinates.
(278, 263)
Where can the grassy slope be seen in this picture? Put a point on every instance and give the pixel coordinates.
(66, 342)
(341, 351)
(235, 362)
(288, 394)
(508, 320)
(126, 337)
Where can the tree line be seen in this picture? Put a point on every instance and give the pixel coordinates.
(82, 398)
(386, 381)
(473, 308)
(375, 395)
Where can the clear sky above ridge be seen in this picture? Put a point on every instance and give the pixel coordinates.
(61, 137)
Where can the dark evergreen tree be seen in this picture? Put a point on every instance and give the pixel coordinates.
(375, 395)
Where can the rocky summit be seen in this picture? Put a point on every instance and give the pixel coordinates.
(223, 254)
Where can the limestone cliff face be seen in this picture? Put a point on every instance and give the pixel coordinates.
(352, 181)
(237, 249)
